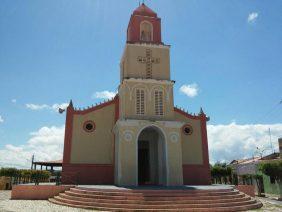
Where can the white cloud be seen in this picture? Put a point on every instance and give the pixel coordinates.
(46, 144)
(191, 90)
(55, 107)
(1, 119)
(104, 95)
(36, 107)
(14, 101)
(234, 141)
(252, 17)
(226, 143)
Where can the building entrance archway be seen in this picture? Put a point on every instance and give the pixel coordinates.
(152, 168)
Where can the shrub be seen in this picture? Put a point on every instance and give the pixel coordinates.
(220, 171)
(272, 169)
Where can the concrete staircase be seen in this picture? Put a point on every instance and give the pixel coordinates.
(156, 199)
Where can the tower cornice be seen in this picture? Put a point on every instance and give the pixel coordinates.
(149, 44)
(144, 80)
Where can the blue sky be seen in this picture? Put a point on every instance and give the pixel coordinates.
(227, 52)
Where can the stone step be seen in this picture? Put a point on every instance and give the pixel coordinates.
(163, 206)
(153, 193)
(156, 200)
(154, 197)
(213, 209)
(150, 202)
(148, 194)
(149, 190)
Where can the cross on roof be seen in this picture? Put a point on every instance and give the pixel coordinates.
(149, 60)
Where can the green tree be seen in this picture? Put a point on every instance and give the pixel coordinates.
(221, 172)
(273, 169)
(8, 172)
(26, 175)
(39, 176)
(259, 181)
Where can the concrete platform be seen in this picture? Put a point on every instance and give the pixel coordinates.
(185, 187)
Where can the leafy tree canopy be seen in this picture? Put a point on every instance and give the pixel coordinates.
(272, 169)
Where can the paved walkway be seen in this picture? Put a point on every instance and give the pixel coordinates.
(270, 205)
(7, 205)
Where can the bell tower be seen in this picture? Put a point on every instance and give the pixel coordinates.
(145, 56)
(144, 26)
(146, 91)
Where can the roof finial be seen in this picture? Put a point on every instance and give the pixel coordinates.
(71, 104)
(201, 111)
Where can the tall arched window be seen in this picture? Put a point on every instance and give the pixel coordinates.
(146, 31)
(140, 101)
(159, 103)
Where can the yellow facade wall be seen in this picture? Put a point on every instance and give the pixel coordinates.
(192, 152)
(127, 93)
(126, 157)
(131, 68)
(95, 147)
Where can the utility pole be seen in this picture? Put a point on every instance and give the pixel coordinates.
(270, 140)
(32, 160)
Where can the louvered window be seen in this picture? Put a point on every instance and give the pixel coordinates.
(140, 102)
(159, 107)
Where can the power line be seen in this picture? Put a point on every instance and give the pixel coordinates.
(266, 115)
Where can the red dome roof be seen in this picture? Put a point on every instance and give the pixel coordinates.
(144, 11)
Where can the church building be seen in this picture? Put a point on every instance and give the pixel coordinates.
(139, 137)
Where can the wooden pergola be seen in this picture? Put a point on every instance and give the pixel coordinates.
(51, 164)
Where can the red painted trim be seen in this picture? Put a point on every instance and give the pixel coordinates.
(199, 174)
(133, 30)
(116, 119)
(69, 124)
(116, 99)
(187, 114)
(88, 174)
(144, 10)
(205, 141)
(102, 105)
(196, 175)
(88, 165)
(68, 135)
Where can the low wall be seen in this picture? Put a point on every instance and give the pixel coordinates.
(5, 183)
(88, 174)
(196, 175)
(37, 192)
(247, 189)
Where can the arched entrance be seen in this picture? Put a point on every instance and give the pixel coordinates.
(151, 152)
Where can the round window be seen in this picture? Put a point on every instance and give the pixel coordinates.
(89, 126)
(187, 129)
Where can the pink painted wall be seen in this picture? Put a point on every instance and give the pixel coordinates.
(39, 192)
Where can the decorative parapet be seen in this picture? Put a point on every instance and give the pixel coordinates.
(92, 107)
(184, 112)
